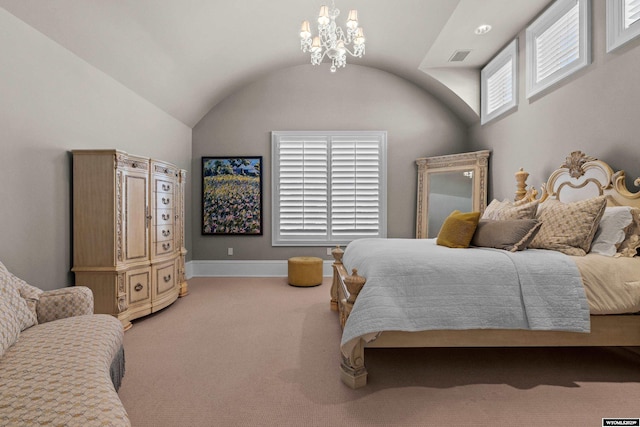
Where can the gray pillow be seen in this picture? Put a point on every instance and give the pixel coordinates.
(511, 235)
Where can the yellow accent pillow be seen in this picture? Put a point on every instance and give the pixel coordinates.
(457, 230)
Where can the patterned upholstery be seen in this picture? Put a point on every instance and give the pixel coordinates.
(57, 373)
(10, 294)
(65, 302)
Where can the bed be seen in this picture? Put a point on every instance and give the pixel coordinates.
(594, 300)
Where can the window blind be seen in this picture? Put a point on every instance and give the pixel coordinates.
(329, 187)
(355, 187)
(558, 45)
(631, 12)
(303, 186)
(500, 87)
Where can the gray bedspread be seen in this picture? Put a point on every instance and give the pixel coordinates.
(415, 285)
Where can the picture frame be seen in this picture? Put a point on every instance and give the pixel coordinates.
(232, 195)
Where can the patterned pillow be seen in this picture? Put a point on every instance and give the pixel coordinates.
(569, 227)
(9, 324)
(506, 210)
(631, 243)
(10, 287)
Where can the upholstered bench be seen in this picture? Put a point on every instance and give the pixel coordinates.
(305, 271)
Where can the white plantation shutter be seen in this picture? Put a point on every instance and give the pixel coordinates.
(558, 44)
(623, 22)
(355, 186)
(328, 187)
(498, 83)
(500, 87)
(303, 187)
(631, 12)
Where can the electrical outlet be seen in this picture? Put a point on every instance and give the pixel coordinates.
(329, 251)
(229, 251)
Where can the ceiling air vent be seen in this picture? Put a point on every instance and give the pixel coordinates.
(459, 55)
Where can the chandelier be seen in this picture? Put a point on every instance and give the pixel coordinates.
(331, 40)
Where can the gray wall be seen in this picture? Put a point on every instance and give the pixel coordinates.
(311, 98)
(596, 110)
(52, 102)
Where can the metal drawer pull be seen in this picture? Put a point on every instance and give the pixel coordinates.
(166, 246)
(166, 216)
(166, 201)
(167, 278)
(138, 287)
(166, 187)
(166, 233)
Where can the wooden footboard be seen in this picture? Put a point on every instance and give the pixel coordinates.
(609, 331)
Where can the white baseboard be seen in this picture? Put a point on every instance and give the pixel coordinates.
(242, 268)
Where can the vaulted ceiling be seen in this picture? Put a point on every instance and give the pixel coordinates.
(185, 56)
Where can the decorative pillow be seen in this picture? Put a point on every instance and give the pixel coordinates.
(457, 229)
(631, 243)
(511, 235)
(569, 227)
(612, 230)
(9, 324)
(505, 210)
(11, 286)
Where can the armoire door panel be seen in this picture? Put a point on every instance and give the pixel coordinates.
(136, 222)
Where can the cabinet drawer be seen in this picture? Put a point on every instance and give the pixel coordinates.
(163, 233)
(164, 201)
(163, 217)
(164, 277)
(163, 248)
(138, 286)
(164, 186)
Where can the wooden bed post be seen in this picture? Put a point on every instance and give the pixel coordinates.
(352, 370)
(337, 254)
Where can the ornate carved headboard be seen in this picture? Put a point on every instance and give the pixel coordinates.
(581, 177)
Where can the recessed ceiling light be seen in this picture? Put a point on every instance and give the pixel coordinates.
(483, 29)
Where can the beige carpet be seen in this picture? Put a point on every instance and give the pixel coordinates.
(257, 352)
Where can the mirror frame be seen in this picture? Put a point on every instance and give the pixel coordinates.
(477, 161)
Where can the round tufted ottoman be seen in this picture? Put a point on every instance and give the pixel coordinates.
(305, 271)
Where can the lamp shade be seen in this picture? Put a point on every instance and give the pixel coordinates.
(352, 20)
(359, 36)
(323, 16)
(305, 30)
(315, 46)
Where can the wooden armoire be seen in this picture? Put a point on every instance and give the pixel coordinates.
(128, 232)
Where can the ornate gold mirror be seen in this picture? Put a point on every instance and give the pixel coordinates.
(447, 183)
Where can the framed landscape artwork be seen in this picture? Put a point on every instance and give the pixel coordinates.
(232, 195)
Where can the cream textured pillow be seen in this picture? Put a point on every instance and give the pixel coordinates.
(569, 227)
(506, 210)
(612, 230)
(10, 287)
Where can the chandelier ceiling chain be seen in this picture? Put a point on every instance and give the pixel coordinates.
(331, 40)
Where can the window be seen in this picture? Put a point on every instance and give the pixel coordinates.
(623, 22)
(558, 44)
(328, 188)
(498, 87)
